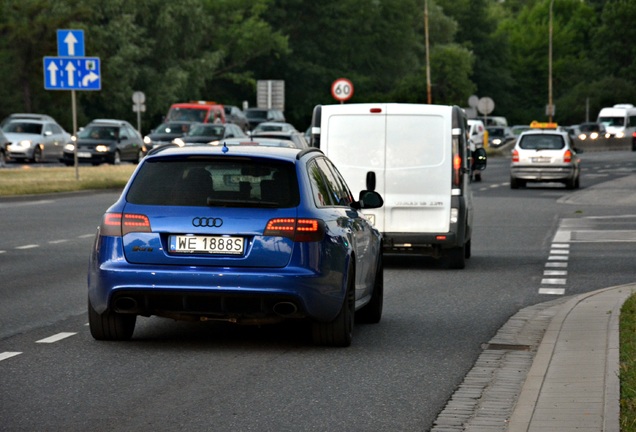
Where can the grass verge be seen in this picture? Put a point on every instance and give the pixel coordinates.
(628, 365)
(29, 180)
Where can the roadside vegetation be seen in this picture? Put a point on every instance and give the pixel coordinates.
(628, 365)
(42, 180)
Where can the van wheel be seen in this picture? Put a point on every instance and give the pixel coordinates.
(456, 257)
(371, 313)
(110, 325)
(339, 332)
(514, 183)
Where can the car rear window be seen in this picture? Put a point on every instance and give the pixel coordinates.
(225, 182)
(542, 142)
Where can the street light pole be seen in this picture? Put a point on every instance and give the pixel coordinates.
(428, 65)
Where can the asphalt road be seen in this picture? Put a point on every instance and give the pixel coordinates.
(397, 375)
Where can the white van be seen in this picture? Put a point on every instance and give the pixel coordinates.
(619, 120)
(416, 156)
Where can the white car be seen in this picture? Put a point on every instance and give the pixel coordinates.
(544, 156)
(35, 140)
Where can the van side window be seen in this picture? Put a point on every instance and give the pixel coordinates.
(632, 121)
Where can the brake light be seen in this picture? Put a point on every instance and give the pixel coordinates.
(457, 170)
(567, 156)
(515, 155)
(297, 229)
(119, 224)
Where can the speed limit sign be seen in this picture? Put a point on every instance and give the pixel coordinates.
(342, 89)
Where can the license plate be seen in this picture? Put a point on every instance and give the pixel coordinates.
(206, 244)
(540, 159)
(83, 155)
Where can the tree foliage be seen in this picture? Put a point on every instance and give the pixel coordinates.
(218, 50)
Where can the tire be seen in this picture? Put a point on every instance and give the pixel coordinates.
(339, 332)
(140, 156)
(478, 177)
(467, 251)
(371, 313)
(110, 326)
(456, 257)
(37, 155)
(514, 183)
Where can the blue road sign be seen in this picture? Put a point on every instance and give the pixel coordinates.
(72, 73)
(70, 43)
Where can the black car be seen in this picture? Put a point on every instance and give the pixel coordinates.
(206, 133)
(165, 133)
(298, 138)
(106, 141)
(260, 115)
(233, 114)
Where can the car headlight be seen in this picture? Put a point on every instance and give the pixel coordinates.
(25, 143)
(147, 140)
(594, 135)
(101, 148)
(620, 134)
(582, 137)
(69, 147)
(496, 141)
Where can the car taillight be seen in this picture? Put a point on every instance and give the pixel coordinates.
(515, 156)
(457, 170)
(567, 156)
(119, 224)
(297, 229)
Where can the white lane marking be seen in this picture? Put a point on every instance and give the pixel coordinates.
(553, 281)
(560, 246)
(8, 354)
(555, 272)
(86, 236)
(22, 204)
(552, 291)
(29, 246)
(1, 251)
(560, 252)
(557, 258)
(58, 241)
(56, 337)
(556, 264)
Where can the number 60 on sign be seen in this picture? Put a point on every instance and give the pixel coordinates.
(342, 89)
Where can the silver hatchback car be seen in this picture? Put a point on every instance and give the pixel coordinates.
(543, 155)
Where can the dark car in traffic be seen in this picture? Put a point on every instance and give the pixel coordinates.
(165, 133)
(239, 234)
(105, 141)
(259, 115)
(206, 133)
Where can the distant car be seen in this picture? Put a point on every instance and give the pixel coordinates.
(165, 133)
(106, 141)
(499, 136)
(298, 138)
(259, 141)
(591, 131)
(205, 133)
(518, 129)
(544, 156)
(233, 114)
(273, 127)
(35, 140)
(259, 115)
(4, 142)
(27, 116)
(241, 234)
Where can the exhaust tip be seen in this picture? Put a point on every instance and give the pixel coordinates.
(125, 304)
(285, 308)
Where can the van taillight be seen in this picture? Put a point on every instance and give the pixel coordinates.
(375, 110)
(297, 229)
(567, 156)
(515, 156)
(119, 224)
(457, 170)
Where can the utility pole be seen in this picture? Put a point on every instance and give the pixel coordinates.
(428, 65)
(550, 106)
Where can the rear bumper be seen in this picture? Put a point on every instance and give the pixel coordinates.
(543, 173)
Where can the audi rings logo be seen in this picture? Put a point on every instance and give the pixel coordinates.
(207, 222)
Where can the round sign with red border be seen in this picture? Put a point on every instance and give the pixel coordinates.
(342, 89)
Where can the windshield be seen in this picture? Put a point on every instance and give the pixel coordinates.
(498, 132)
(213, 182)
(612, 121)
(256, 114)
(207, 130)
(188, 114)
(99, 132)
(172, 128)
(542, 142)
(23, 127)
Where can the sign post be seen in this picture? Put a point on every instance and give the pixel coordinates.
(139, 98)
(72, 71)
(342, 89)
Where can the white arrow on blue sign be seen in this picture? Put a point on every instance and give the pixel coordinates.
(72, 73)
(70, 43)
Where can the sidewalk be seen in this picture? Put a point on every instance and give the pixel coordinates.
(552, 367)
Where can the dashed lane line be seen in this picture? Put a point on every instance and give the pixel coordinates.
(56, 337)
(8, 354)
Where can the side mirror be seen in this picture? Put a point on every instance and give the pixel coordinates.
(480, 158)
(371, 180)
(368, 200)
